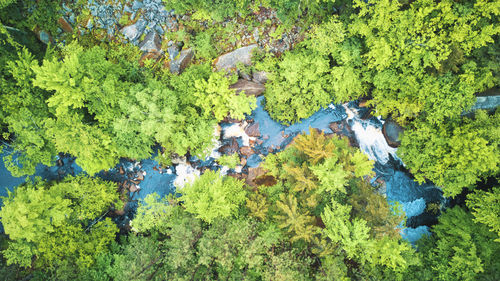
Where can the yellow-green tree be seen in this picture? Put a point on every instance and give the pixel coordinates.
(62, 224)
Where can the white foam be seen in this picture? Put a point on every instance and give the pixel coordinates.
(186, 174)
(371, 140)
(237, 130)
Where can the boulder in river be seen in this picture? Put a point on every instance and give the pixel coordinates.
(246, 151)
(230, 147)
(253, 174)
(249, 87)
(253, 130)
(392, 132)
(229, 60)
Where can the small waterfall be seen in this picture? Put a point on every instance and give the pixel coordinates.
(370, 137)
(399, 186)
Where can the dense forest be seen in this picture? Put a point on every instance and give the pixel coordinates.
(88, 87)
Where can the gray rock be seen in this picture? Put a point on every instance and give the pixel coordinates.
(151, 43)
(137, 5)
(228, 61)
(173, 51)
(249, 87)
(159, 30)
(134, 31)
(392, 132)
(44, 36)
(178, 65)
(259, 77)
(90, 25)
(245, 75)
(256, 34)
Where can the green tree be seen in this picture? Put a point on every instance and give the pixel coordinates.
(461, 249)
(53, 225)
(105, 107)
(485, 206)
(213, 196)
(24, 112)
(299, 86)
(87, 88)
(453, 155)
(428, 47)
(5, 3)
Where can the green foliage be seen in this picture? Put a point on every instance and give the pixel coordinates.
(461, 249)
(353, 236)
(300, 224)
(316, 175)
(207, 10)
(104, 107)
(44, 15)
(485, 207)
(299, 86)
(58, 224)
(332, 39)
(453, 155)
(426, 47)
(216, 99)
(24, 116)
(230, 161)
(154, 214)
(326, 67)
(287, 11)
(212, 196)
(204, 46)
(373, 208)
(136, 260)
(87, 88)
(5, 3)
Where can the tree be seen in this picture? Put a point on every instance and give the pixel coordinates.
(5, 3)
(353, 237)
(87, 87)
(485, 206)
(299, 86)
(54, 225)
(213, 196)
(461, 249)
(453, 155)
(24, 112)
(298, 223)
(428, 48)
(104, 107)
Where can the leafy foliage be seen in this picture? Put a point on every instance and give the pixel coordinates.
(58, 223)
(453, 155)
(287, 11)
(316, 175)
(427, 47)
(105, 108)
(212, 196)
(461, 249)
(486, 208)
(5, 3)
(24, 116)
(230, 161)
(299, 87)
